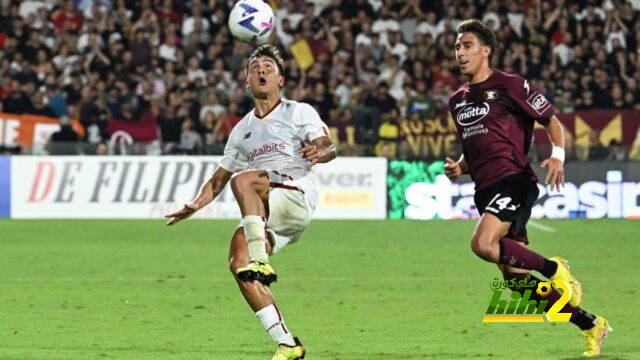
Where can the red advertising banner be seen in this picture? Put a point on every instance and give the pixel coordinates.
(608, 125)
(26, 130)
(436, 138)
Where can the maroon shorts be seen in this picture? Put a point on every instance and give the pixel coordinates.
(510, 199)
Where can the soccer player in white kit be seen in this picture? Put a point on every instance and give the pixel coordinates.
(268, 158)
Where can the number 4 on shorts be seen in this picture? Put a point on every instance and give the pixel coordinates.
(502, 202)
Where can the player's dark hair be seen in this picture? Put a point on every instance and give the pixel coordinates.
(270, 51)
(482, 31)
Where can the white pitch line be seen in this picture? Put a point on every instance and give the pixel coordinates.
(539, 226)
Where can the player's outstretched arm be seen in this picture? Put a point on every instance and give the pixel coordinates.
(555, 162)
(321, 150)
(208, 191)
(454, 170)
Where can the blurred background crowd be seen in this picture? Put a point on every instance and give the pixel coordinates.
(171, 76)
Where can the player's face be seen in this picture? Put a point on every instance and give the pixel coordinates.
(471, 53)
(264, 77)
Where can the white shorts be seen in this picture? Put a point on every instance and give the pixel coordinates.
(291, 205)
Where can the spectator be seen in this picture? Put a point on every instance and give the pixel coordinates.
(39, 107)
(429, 26)
(66, 18)
(93, 116)
(17, 102)
(422, 103)
(194, 71)
(140, 49)
(63, 141)
(190, 140)
(616, 152)
(169, 49)
(212, 105)
(596, 150)
(563, 102)
(617, 99)
(195, 20)
(102, 149)
(55, 99)
(388, 133)
(385, 24)
(320, 98)
(394, 75)
(211, 129)
(381, 101)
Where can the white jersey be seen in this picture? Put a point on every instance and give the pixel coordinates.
(272, 142)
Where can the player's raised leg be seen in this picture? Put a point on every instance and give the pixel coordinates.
(489, 242)
(594, 328)
(262, 302)
(251, 189)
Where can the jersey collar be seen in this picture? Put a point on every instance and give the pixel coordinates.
(268, 112)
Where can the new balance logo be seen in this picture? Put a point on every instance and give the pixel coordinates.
(247, 135)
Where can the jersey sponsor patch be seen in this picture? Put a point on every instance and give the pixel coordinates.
(472, 114)
(265, 149)
(538, 102)
(460, 104)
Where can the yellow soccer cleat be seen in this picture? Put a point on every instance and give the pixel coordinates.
(593, 337)
(255, 270)
(286, 352)
(563, 273)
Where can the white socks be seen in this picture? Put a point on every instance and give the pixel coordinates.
(254, 232)
(274, 324)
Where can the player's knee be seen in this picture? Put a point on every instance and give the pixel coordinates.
(240, 183)
(483, 246)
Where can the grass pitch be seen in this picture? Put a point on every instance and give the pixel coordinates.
(351, 290)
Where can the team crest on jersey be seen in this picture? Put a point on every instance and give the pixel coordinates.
(490, 95)
(276, 126)
(247, 135)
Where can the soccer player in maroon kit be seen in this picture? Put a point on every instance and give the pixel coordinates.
(494, 114)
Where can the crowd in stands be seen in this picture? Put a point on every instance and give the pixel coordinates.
(171, 71)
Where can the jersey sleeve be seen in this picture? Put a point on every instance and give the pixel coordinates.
(530, 101)
(312, 126)
(231, 159)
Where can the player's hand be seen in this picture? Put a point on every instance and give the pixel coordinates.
(312, 153)
(184, 213)
(452, 169)
(555, 174)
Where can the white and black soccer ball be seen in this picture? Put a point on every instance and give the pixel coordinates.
(251, 21)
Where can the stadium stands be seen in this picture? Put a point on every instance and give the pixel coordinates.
(169, 74)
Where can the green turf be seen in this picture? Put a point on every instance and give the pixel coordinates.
(351, 290)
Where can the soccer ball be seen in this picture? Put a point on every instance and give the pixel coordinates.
(251, 21)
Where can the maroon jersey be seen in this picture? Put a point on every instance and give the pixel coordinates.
(495, 119)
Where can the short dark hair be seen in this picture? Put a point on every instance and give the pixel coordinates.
(482, 31)
(270, 51)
